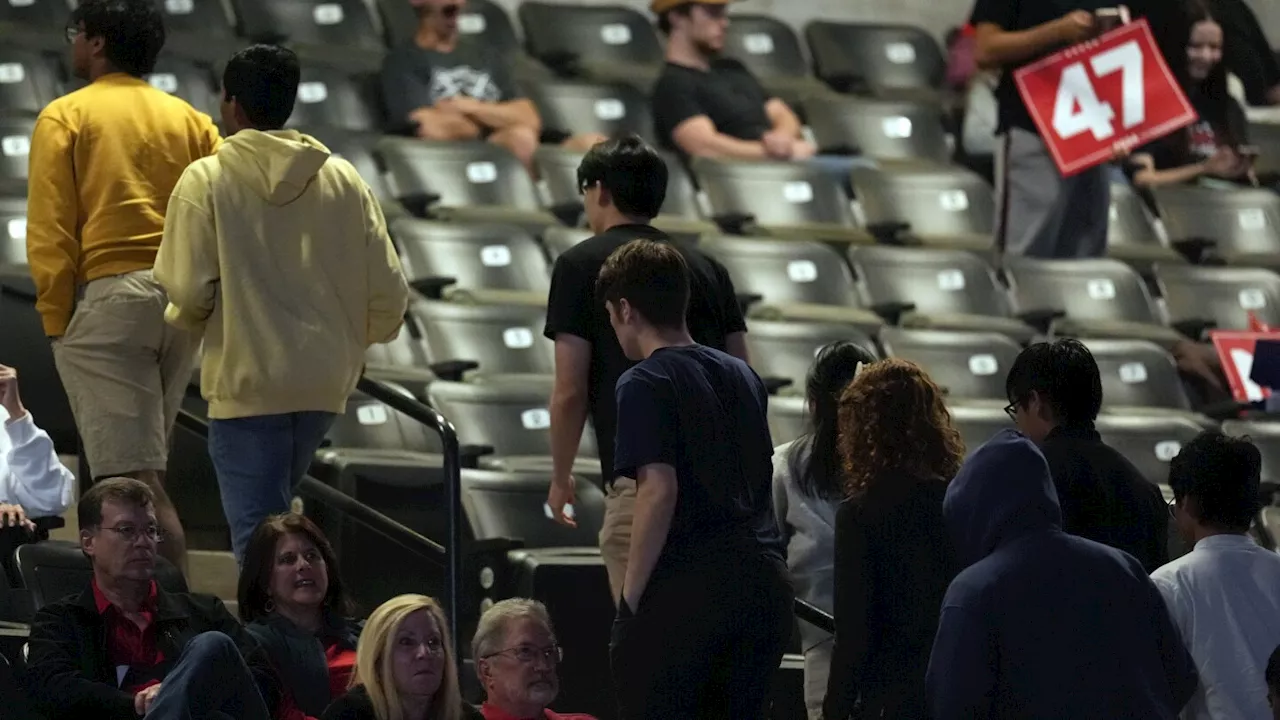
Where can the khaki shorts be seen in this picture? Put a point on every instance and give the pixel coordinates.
(125, 371)
(615, 532)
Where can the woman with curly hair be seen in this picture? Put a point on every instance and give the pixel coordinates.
(893, 559)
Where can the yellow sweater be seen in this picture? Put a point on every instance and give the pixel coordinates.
(103, 162)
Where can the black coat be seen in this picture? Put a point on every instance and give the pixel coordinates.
(298, 656)
(356, 705)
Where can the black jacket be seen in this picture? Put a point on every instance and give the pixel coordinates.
(356, 705)
(298, 656)
(68, 673)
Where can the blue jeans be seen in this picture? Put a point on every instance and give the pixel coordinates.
(210, 682)
(259, 460)
(839, 167)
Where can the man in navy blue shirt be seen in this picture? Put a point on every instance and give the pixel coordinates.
(705, 611)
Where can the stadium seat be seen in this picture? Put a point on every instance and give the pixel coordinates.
(509, 414)
(462, 180)
(487, 262)
(17, 706)
(356, 147)
(13, 231)
(940, 289)
(405, 361)
(1137, 374)
(26, 348)
(1200, 298)
(335, 25)
(372, 427)
(499, 339)
(189, 80)
(881, 129)
(977, 423)
(597, 42)
(332, 97)
(784, 350)
(977, 138)
(557, 239)
(971, 366)
(1266, 137)
(1264, 434)
(770, 49)
(35, 22)
(1131, 232)
(199, 29)
(481, 20)
(787, 417)
(570, 107)
(870, 59)
(15, 146)
(1148, 441)
(1241, 226)
(947, 207)
(1085, 298)
(508, 505)
(54, 570)
(28, 79)
(793, 279)
(781, 199)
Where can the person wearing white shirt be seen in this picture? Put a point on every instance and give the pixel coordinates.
(1224, 595)
(33, 481)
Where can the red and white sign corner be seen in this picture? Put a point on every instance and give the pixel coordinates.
(1235, 351)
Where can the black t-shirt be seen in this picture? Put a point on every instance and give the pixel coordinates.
(702, 412)
(573, 308)
(1200, 140)
(413, 77)
(727, 93)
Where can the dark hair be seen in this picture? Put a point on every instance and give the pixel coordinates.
(263, 80)
(664, 20)
(132, 30)
(652, 276)
(1223, 475)
(634, 174)
(1217, 110)
(125, 491)
(260, 558)
(819, 472)
(1273, 671)
(1064, 374)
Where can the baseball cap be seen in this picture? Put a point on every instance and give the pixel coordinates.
(660, 6)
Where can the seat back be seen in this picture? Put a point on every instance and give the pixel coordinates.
(356, 147)
(501, 338)
(481, 20)
(510, 414)
(1225, 296)
(52, 571)
(333, 23)
(28, 79)
(368, 424)
(510, 505)
(766, 45)
(500, 257)
(1239, 221)
(407, 349)
(13, 231)
(558, 171)
(935, 281)
(49, 16)
(204, 18)
(1266, 436)
(188, 80)
(559, 239)
(883, 129)
(969, 365)
(787, 418)
(933, 201)
(784, 271)
(460, 174)
(1083, 289)
(978, 423)
(876, 56)
(15, 146)
(785, 349)
(1138, 373)
(601, 33)
(1131, 223)
(774, 193)
(610, 109)
(1148, 441)
(334, 98)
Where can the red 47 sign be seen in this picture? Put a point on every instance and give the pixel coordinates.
(1091, 97)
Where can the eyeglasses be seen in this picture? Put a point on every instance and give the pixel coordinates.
(433, 645)
(528, 654)
(131, 533)
(1173, 507)
(1012, 411)
(71, 31)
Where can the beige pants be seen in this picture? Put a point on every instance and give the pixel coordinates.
(615, 532)
(125, 371)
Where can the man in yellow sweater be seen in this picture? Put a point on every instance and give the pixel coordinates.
(278, 253)
(103, 162)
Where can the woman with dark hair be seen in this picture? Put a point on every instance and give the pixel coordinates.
(893, 558)
(1210, 148)
(292, 600)
(808, 486)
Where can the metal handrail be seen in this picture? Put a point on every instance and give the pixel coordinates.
(815, 616)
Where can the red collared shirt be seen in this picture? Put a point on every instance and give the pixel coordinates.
(492, 712)
(129, 646)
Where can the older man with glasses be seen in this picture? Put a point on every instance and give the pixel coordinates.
(516, 656)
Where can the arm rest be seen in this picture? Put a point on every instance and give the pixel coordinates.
(407, 128)
(452, 370)
(419, 204)
(432, 286)
(1195, 249)
(889, 233)
(849, 84)
(1194, 328)
(562, 63)
(469, 455)
(774, 384)
(746, 300)
(846, 150)
(1041, 319)
(892, 312)
(16, 292)
(734, 223)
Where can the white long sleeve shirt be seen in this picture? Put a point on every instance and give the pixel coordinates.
(1225, 599)
(31, 475)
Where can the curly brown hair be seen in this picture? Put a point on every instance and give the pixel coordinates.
(893, 421)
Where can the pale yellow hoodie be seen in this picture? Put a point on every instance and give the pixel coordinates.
(279, 254)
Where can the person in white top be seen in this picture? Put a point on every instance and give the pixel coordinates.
(33, 481)
(1224, 595)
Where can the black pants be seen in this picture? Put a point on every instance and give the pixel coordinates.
(704, 643)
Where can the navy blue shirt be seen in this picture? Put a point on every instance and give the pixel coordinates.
(702, 412)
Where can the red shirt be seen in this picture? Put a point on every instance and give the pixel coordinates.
(129, 646)
(492, 712)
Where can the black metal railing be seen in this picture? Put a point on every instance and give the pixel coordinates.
(815, 616)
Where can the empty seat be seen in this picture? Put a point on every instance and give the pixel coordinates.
(472, 259)
(28, 80)
(875, 59)
(1131, 231)
(770, 49)
(611, 109)
(1266, 137)
(332, 97)
(1086, 298)
(1148, 441)
(329, 24)
(54, 570)
(508, 505)
(404, 361)
(882, 129)
(380, 431)
(15, 146)
(969, 365)
(1242, 226)
(18, 18)
(190, 80)
(13, 231)
(941, 289)
(787, 418)
(356, 147)
(559, 239)
(458, 180)
(600, 42)
(198, 28)
(1197, 298)
(1266, 435)
(777, 198)
(497, 338)
(1138, 374)
(944, 206)
(784, 350)
(977, 423)
(793, 279)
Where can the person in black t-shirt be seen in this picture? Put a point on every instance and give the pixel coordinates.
(448, 87)
(705, 611)
(623, 184)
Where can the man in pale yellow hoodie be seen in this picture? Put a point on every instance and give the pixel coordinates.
(277, 252)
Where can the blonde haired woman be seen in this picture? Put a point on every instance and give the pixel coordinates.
(405, 669)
